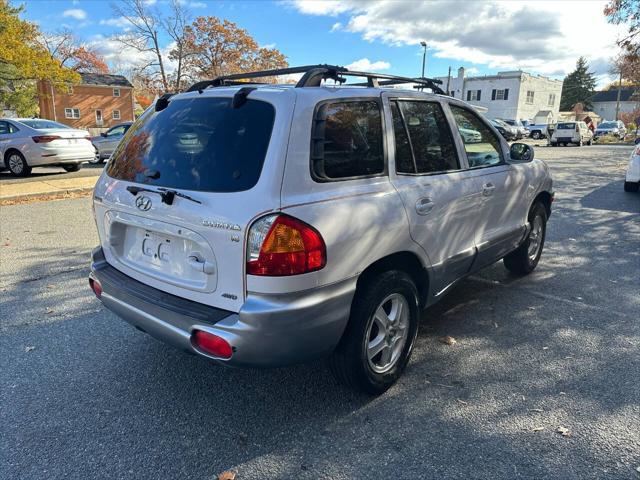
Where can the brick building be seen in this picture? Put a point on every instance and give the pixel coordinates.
(98, 102)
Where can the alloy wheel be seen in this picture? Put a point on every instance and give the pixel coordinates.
(387, 333)
(16, 164)
(535, 238)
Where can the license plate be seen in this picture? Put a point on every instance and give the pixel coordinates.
(73, 140)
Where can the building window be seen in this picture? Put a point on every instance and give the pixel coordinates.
(116, 92)
(115, 114)
(552, 99)
(500, 94)
(71, 113)
(69, 89)
(474, 95)
(453, 93)
(530, 95)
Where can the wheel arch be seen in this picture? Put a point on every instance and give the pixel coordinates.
(545, 198)
(8, 152)
(405, 261)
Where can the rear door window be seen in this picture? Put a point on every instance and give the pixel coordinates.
(347, 140)
(199, 143)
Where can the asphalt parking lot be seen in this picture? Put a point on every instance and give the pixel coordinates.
(84, 395)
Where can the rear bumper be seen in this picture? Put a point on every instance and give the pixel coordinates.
(269, 330)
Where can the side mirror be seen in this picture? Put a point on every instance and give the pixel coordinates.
(103, 134)
(521, 152)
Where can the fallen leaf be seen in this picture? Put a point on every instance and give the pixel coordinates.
(537, 410)
(564, 431)
(50, 286)
(545, 348)
(537, 429)
(49, 311)
(562, 393)
(7, 244)
(449, 340)
(495, 324)
(29, 348)
(462, 402)
(228, 475)
(531, 308)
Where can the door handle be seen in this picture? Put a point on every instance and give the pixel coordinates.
(424, 206)
(487, 189)
(200, 265)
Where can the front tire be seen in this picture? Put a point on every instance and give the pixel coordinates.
(525, 258)
(535, 135)
(631, 186)
(17, 164)
(72, 167)
(379, 337)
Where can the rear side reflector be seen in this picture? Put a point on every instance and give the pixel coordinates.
(211, 344)
(45, 138)
(96, 287)
(280, 245)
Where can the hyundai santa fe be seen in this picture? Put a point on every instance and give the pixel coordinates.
(265, 225)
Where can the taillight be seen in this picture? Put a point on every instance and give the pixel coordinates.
(96, 287)
(87, 137)
(280, 245)
(45, 138)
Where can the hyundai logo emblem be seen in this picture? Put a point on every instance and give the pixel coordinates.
(143, 203)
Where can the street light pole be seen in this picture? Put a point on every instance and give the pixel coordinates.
(424, 56)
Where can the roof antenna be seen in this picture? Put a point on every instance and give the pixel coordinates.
(240, 98)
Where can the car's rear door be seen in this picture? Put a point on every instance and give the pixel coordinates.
(502, 206)
(440, 197)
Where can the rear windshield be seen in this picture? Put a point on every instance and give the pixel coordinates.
(608, 125)
(42, 124)
(197, 144)
(566, 126)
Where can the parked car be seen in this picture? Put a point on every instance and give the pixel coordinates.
(265, 225)
(32, 142)
(632, 178)
(538, 131)
(507, 131)
(523, 131)
(106, 142)
(571, 132)
(615, 128)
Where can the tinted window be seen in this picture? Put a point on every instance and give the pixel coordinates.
(197, 144)
(428, 147)
(4, 128)
(566, 126)
(347, 140)
(480, 143)
(39, 124)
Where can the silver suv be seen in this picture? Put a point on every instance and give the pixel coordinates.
(266, 225)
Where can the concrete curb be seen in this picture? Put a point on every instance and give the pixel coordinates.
(45, 195)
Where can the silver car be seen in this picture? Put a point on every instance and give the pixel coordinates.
(267, 225)
(107, 142)
(32, 142)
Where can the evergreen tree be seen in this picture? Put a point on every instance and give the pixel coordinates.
(578, 87)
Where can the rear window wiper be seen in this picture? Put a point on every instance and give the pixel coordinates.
(167, 195)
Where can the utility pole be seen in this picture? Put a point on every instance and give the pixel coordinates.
(618, 97)
(448, 80)
(424, 56)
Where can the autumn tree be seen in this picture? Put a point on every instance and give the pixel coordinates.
(627, 12)
(67, 49)
(23, 60)
(215, 47)
(578, 87)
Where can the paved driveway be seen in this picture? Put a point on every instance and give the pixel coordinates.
(83, 395)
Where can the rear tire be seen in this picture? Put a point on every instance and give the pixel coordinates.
(631, 186)
(535, 135)
(379, 337)
(17, 164)
(72, 167)
(580, 143)
(525, 258)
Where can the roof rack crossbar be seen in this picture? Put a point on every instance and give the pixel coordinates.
(315, 74)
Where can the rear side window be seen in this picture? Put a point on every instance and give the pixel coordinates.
(347, 140)
(197, 144)
(423, 140)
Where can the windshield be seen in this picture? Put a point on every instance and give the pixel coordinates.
(608, 125)
(40, 124)
(566, 126)
(197, 144)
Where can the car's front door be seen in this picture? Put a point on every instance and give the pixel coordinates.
(114, 135)
(440, 197)
(502, 210)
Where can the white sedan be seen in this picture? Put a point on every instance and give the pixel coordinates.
(632, 180)
(34, 142)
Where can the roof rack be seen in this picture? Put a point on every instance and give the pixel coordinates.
(313, 75)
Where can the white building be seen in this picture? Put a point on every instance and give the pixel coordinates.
(509, 95)
(604, 103)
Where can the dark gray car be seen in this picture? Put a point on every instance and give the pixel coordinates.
(107, 141)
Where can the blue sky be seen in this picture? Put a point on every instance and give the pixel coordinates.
(484, 36)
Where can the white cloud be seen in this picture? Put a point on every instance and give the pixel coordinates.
(198, 5)
(119, 22)
(268, 46)
(336, 26)
(76, 13)
(542, 37)
(365, 65)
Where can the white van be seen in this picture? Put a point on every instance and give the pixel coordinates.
(571, 132)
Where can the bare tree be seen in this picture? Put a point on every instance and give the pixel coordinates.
(175, 25)
(64, 47)
(145, 21)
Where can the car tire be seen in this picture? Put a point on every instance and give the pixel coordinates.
(372, 352)
(72, 167)
(535, 135)
(525, 258)
(590, 142)
(97, 160)
(631, 186)
(17, 164)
